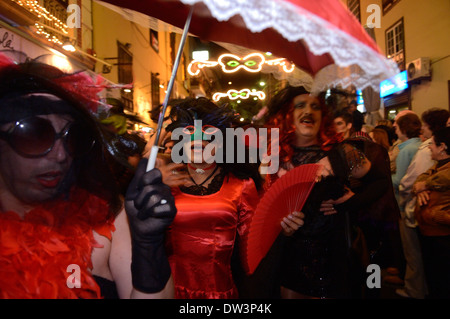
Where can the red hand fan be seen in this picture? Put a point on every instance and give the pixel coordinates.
(286, 195)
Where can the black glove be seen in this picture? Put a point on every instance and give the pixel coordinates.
(150, 207)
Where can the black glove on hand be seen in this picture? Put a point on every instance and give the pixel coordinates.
(150, 207)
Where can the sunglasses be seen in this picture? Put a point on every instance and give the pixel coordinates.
(35, 137)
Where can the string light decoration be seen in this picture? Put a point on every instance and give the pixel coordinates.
(40, 29)
(231, 63)
(287, 66)
(242, 94)
(42, 13)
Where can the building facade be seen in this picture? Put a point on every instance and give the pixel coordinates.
(415, 34)
(40, 28)
(138, 53)
(102, 41)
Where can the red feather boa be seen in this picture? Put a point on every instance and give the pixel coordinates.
(36, 251)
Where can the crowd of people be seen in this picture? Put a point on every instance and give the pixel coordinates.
(70, 227)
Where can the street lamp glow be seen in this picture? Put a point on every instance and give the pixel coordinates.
(202, 55)
(68, 46)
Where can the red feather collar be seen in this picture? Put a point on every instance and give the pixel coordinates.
(36, 251)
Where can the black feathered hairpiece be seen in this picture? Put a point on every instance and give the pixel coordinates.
(185, 112)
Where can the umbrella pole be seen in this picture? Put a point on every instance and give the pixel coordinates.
(155, 148)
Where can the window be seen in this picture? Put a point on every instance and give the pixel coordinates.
(154, 81)
(154, 41)
(125, 72)
(173, 49)
(355, 7)
(395, 44)
(64, 3)
(388, 4)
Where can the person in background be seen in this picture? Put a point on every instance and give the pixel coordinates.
(408, 129)
(126, 146)
(390, 131)
(65, 233)
(163, 160)
(168, 144)
(343, 122)
(372, 210)
(358, 117)
(380, 136)
(393, 152)
(366, 128)
(385, 122)
(414, 278)
(432, 189)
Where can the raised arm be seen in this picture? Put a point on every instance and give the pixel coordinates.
(150, 208)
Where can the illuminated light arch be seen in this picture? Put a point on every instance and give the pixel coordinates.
(231, 63)
(242, 94)
(195, 66)
(287, 66)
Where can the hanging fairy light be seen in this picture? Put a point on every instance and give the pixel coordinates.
(40, 29)
(242, 94)
(231, 63)
(42, 13)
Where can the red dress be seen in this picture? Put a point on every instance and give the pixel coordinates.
(201, 238)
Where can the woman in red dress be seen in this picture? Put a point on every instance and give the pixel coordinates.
(215, 210)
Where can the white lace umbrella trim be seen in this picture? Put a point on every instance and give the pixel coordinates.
(355, 63)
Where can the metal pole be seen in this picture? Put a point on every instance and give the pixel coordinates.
(155, 148)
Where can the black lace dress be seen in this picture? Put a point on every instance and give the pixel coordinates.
(314, 260)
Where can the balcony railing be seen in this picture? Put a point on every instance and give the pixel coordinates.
(49, 20)
(58, 15)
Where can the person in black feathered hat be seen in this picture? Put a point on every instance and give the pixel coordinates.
(183, 115)
(28, 96)
(59, 208)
